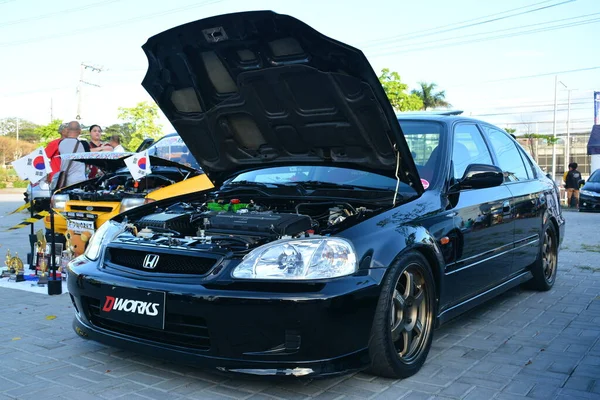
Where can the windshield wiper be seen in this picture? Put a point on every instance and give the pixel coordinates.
(332, 185)
(261, 184)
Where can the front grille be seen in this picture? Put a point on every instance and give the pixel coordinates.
(93, 208)
(167, 263)
(180, 330)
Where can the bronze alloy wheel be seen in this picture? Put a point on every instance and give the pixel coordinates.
(545, 267)
(549, 257)
(409, 313)
(403, 324)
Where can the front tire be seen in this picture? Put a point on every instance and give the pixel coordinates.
(403, 325)
(545, 267)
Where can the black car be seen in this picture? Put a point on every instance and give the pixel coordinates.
(589, 194)
(338, 236)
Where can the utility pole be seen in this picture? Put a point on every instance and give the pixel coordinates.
(83, 82)
(17, 129)
(568, 144)
(554, 130)
(51, 111)
(566, 153)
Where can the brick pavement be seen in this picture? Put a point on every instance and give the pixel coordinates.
(523, 344)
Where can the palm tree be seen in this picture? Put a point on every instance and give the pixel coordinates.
(429, 98)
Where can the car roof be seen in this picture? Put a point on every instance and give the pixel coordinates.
(449, 119)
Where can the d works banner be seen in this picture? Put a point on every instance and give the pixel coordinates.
(596, 108)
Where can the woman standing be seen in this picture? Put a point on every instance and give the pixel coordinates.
(97, 145)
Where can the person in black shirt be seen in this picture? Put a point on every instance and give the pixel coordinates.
(572, 184)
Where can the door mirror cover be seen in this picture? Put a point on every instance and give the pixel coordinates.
(480, 176)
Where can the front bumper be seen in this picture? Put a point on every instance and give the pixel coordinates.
(296, 329)
(589, 203)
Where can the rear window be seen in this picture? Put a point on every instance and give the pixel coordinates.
(174, 149)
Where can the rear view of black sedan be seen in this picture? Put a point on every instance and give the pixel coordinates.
(339, 236)
(589, 194)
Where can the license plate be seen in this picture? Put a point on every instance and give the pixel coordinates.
(134, 306)
(77, 225)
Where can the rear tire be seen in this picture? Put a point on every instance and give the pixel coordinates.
(545, 267)
(403, 325)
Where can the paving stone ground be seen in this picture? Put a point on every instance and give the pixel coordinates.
(523, 344)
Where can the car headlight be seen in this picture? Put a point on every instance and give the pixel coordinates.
(299, 259)
(59, 201)
(589, 193)
(107, 232)
(132, 202)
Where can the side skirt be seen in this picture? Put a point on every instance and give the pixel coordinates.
(481, 298)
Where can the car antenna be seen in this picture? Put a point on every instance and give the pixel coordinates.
(397, 177)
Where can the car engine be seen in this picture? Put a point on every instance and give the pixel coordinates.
(116, 187)
(239, 224)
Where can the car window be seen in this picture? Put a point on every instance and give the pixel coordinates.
(323, 174)
(595, 177)
(174, 149)
(509, 158)
(423, 139)
(468, 147)
(527, 162)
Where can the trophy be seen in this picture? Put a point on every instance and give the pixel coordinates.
(6, 269)
(43, 276)
(41, 249)
(15, 267)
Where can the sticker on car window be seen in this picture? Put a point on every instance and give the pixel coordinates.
(424, 183)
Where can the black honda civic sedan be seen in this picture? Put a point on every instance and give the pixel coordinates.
(338, 235)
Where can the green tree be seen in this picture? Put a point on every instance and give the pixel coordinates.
(396, 92)
(510, 130)
(143, 119)
(48, 132)
(8, 128)
(125, 131)
(429, 98)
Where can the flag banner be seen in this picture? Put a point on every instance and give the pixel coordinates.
(139, 165)
(33, 166)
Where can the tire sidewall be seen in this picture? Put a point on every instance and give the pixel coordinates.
(400, 367)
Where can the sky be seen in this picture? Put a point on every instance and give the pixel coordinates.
(496, 60)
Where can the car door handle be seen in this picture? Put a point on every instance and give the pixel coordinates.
(506, 206)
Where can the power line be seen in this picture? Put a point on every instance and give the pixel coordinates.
(528, 76)
(112, 24)
(438, 30)
(530, 112)
(523, 105)
(508, 35)
(511, 29)
(62, 12)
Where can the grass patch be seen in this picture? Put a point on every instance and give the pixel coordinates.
(591, 247)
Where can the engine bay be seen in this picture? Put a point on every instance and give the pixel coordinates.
(239, 224)
(116, 187)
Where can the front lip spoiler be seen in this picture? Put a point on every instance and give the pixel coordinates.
(341, 365)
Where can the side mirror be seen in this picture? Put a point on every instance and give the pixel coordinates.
(581, 182)
(481, 176)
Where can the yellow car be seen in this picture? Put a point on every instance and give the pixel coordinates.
(84, 207)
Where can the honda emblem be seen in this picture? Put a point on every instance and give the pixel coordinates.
(151, 261)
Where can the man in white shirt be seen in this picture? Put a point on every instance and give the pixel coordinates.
(115, 142)
(75, 170)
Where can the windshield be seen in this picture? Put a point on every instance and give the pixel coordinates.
(173, 148)
(423, 139)
(595, 176)
(329, 175)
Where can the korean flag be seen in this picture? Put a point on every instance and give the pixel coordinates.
(138, 165)
(33, 166)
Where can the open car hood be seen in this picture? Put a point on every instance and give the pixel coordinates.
(111, 162)
(258, 89)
